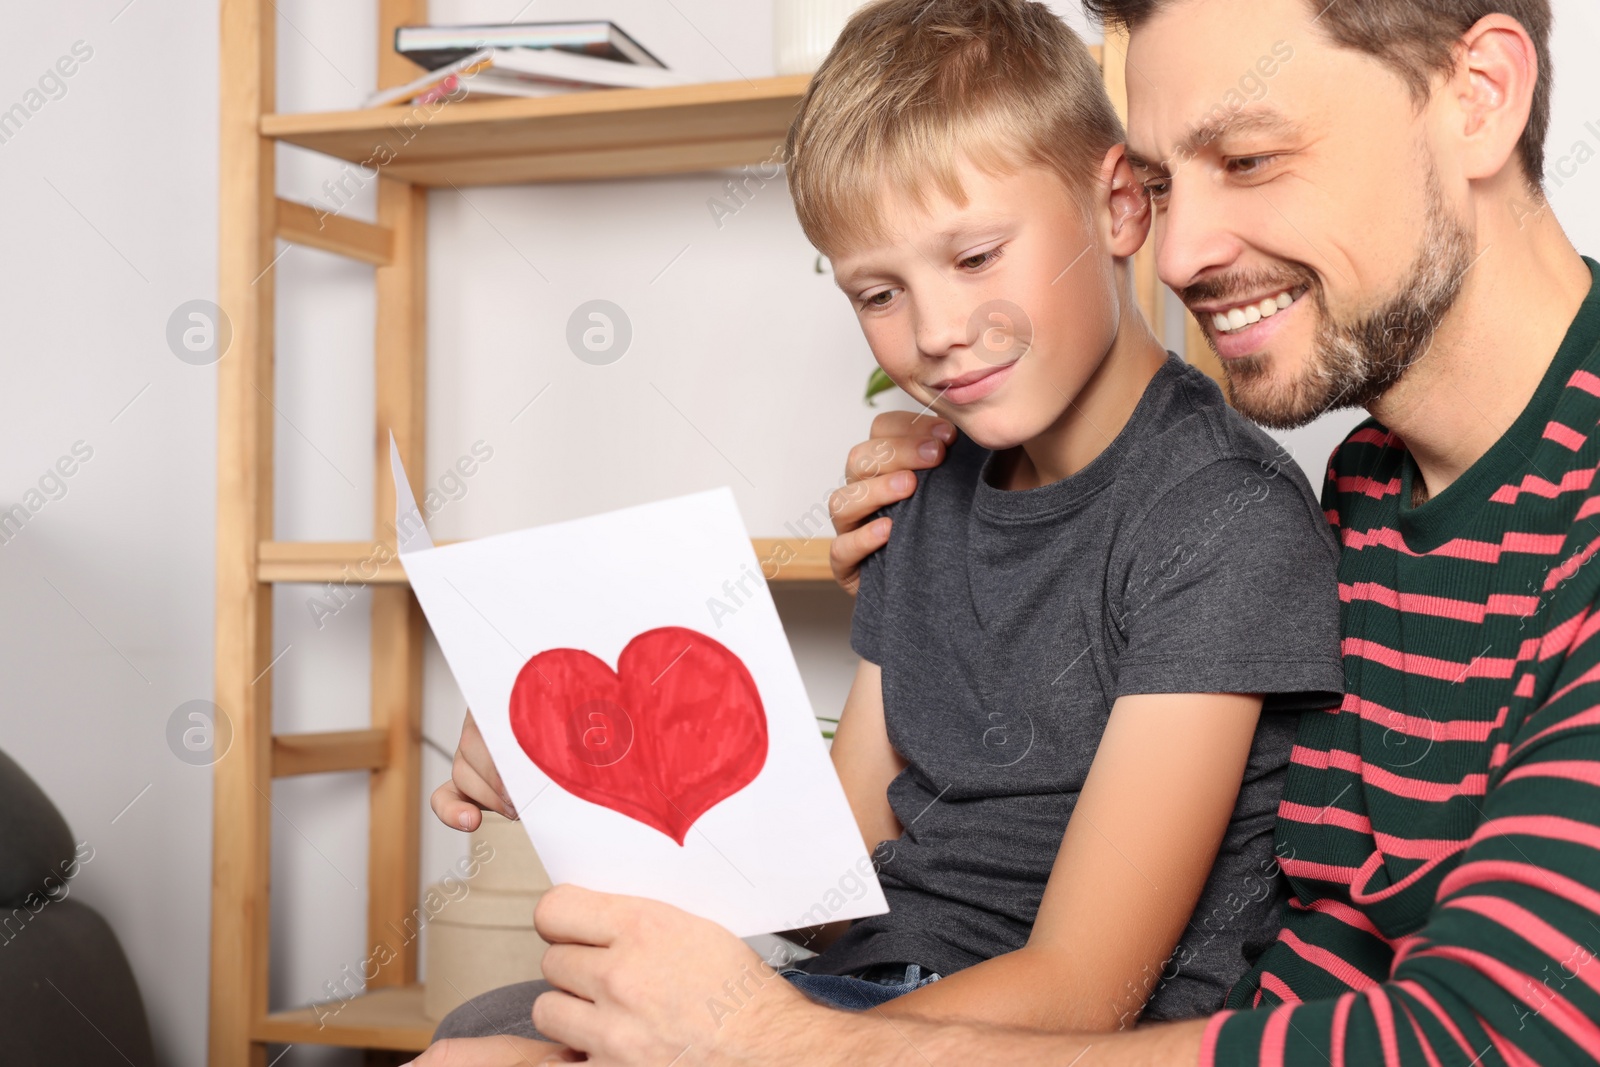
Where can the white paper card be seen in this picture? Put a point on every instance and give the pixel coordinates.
(706, 735)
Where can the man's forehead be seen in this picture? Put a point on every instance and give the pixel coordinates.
(1218, 125)
(1220, 34)
(1201, 68)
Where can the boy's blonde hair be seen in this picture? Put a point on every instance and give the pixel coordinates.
(912, 85)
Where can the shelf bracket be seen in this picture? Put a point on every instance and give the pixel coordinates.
(303, 224)
(319, 753)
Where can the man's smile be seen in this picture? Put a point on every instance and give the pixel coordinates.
(1240, 328)
(1230, 318)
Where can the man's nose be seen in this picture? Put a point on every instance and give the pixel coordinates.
(1196, 235)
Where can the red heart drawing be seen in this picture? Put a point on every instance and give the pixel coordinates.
(675, 730)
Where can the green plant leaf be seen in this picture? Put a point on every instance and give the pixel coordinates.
(877, 382)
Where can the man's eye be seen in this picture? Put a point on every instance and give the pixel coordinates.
(1246, 166)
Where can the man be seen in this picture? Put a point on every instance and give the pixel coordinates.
(1441, 831)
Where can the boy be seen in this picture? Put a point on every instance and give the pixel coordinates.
(1067, 735)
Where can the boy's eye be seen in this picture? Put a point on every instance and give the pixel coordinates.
(1158, 189)
(979, 259)
(880, 298)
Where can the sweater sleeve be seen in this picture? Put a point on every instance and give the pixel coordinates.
(1504, 970)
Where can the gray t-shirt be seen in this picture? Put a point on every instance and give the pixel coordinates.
(1190, 557)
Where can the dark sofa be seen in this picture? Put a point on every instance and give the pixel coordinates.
(67, 995)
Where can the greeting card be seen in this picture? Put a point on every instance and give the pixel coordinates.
(651, 745)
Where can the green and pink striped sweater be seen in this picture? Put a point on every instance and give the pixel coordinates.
(1441, 829)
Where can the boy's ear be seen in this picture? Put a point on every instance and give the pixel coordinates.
(1127, 202)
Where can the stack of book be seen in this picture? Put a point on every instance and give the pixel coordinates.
(523, 59)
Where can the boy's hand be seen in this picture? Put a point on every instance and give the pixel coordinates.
(473, 786)
(878, 473)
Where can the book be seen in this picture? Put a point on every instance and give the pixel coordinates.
(552, 65)
(439, 46)
(526, 72)
(487, 83)
(429, 84)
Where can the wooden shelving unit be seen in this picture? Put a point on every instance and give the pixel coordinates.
(614, 134)
(389, 1019)
(337, 561)
(598, 135)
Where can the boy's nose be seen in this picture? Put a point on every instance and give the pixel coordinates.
(942, 329)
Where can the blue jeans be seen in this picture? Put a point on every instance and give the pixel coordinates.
(862, 990)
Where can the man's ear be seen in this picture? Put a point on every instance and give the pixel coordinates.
(1492, 89)
(1127, 202)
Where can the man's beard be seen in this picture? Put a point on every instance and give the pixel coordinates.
(1351, 364)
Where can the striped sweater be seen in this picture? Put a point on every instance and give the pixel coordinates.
(1441, 829)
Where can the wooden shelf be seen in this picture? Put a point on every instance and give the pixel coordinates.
(795, 561)
(328, 751)
(384, 1018)
(327, 561)
(357, 561)
(610, 133)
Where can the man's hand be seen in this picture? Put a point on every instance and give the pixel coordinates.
(643, 984)
(878, 473)
(493, 1052)
(473, 786)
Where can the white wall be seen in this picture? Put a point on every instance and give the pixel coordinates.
(110, 223)
(107, 223)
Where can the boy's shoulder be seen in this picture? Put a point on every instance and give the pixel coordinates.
(1189, 430)
(1183, 432)
(948, 488)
